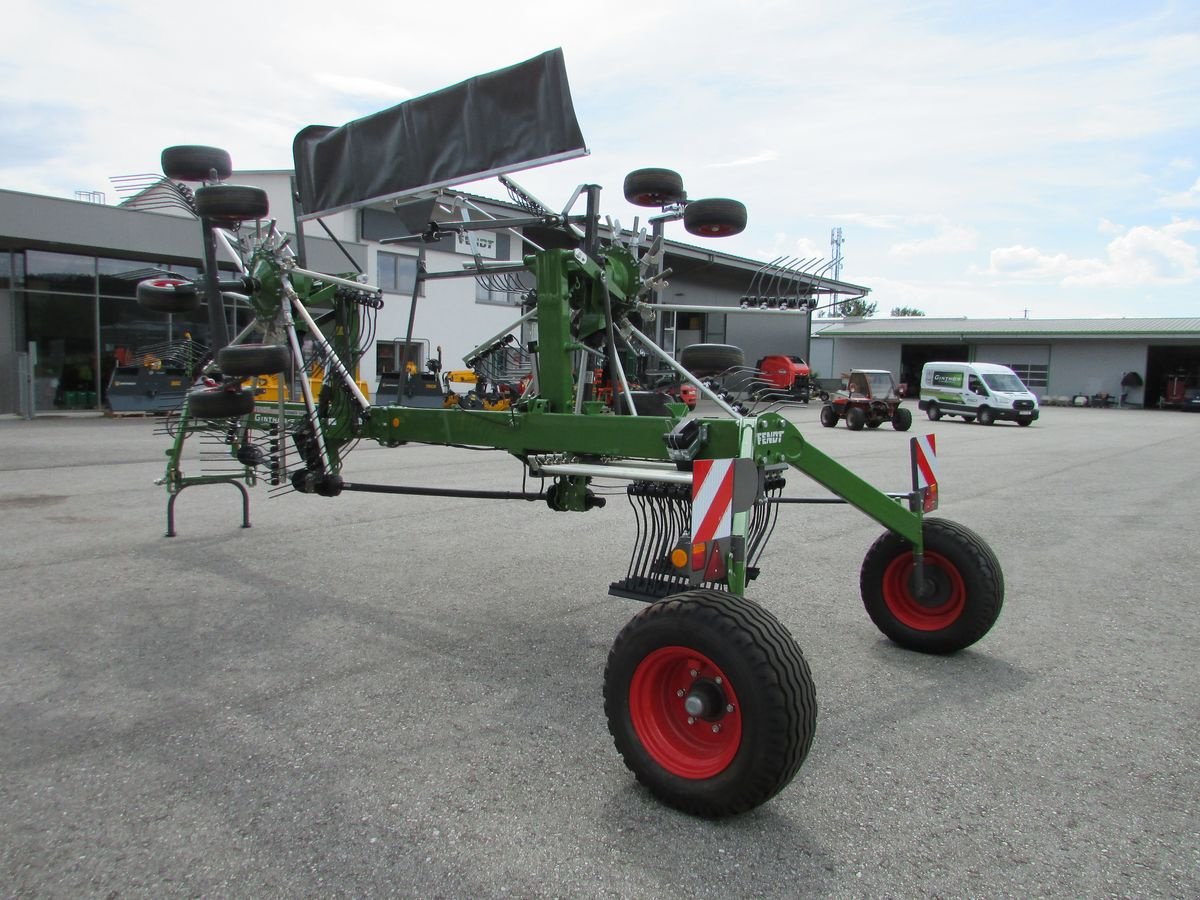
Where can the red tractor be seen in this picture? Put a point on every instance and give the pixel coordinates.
(783, 377)
(871, 398)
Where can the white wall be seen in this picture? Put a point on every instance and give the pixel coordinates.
(858, 354)
(1093, 367)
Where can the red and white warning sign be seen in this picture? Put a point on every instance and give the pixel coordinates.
(924, 469)
(712, 515)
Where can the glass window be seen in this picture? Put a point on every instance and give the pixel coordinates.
(396, 273)
(63, 328)
(61, 272)
(390, 354)
(119, 277)
(483, 294)
(1034, 376)
(5, 269)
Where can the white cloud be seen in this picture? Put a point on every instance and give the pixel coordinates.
(1188, 198)
(367, 88)
(951, 239)
(765, 156)
(1141, 256)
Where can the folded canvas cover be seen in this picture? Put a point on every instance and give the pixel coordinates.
(511, 119)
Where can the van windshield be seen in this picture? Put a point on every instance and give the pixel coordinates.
(1004, 382)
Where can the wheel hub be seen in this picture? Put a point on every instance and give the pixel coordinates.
(705, 700)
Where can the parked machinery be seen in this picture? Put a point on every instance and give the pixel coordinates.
(709, 699)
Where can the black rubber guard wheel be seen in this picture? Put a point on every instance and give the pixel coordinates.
(715, 217)
(964, 581)
(253, 359)
(231, 202)
(219, 403)
(195, 163)
(168, 295)
(653, 187)
(856, 418)
(902, 418)
(757, 704)
(829, 417)
(986, 416)
(934, 412)
(711, 359)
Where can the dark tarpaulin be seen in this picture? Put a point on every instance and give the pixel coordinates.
(506, 120)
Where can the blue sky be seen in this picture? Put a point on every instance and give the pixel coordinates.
(981, 159)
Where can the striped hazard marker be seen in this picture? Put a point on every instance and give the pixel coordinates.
(924, 469)
(712, 515)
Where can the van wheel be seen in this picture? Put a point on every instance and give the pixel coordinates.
(986, 416)
(1024, 423)
(933, 412)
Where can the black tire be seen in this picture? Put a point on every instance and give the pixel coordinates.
(231, 203)
(653, 187)
(962, 573)
(1024, 423)
(829, 416)
(253, 359)
(219, 403)
(711, 359)
(902, 418)
(725, 761)
(823, 396)
(195, 163)
(856, 418)
(934, 412)
(715, 217)
(168, 295)
(986, 416)
(874, 423)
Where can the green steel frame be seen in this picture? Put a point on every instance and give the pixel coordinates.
(587, 301)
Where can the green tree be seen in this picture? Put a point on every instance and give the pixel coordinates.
(906, 311)
(856, 307)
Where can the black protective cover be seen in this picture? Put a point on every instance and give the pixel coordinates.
(513, 118)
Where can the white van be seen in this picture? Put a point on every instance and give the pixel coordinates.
(981, 391)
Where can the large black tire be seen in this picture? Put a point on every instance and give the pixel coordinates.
(934, 412)
(231, 203)
(653, 187)
(253, 359)
(986, 416)
(711, 359)
(902, 418)
(1024, 423)
(856, 418)
(829, 417)
(195, 163)
(964, 581)
(219, 403)
(715, 217)
(168, 295)
(710, 702)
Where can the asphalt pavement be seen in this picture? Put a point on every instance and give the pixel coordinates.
(379, 696)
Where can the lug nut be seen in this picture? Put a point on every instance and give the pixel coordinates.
(716, 728)
(691, 720)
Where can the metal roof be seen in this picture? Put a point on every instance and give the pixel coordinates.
(923, 327)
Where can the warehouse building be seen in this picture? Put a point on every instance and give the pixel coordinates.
(69, 270)
(1134, 361)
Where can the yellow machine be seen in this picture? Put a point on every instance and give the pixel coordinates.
(269, 386)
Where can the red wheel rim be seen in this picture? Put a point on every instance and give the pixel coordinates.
(685, 745)
(167, 282)
(941, 609)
